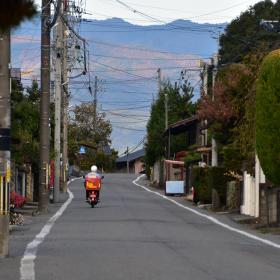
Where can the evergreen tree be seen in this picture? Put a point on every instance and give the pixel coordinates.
(180, 106)
(13, 12)
(245, 36)
(25, 122)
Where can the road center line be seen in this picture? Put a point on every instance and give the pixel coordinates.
(212, 219)
(27, 266)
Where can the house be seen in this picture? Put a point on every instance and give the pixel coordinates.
(196, 136)
(131, 162)
(192, 129)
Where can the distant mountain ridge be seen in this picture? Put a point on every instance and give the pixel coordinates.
(126, 57)
(180, 36)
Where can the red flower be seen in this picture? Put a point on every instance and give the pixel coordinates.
(17, 200)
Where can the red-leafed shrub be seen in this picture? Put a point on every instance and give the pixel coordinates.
(17, 200)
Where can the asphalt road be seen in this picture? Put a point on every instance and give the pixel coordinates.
(133, 234)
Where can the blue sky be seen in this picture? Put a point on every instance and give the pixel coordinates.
(129, 131)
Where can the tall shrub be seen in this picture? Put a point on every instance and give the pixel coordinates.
(268, 116)
(206, 179)
(203, 191)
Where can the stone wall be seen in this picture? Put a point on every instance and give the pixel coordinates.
(233, 195)
(269, 204)
(158, 174)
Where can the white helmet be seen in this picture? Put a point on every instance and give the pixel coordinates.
(93, 168)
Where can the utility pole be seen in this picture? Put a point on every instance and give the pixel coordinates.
(65, 105)
(159, 81)
(166, 110)
(205, 92)
(95, 100)
(214, 161)
(166, 123)
(5, 154)
(127, 161)
(44, 108)
(58, 86)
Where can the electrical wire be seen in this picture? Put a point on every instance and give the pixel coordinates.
(118, 69)
(183, 11)
(147, 58)
(129, 128)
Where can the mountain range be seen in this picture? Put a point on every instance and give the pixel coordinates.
(125, 58)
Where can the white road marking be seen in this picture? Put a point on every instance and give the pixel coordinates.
(27, 271)
(212, 219)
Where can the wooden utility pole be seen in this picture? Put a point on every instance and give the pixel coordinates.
(44, 108)
(58, 87)
(5, 126)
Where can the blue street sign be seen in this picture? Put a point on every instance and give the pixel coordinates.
(82, 150)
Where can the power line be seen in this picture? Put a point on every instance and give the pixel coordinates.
(129, 128)
(183, 11)
(127, 108)
(147, 58)
(152, 69)
(119, 70)
(127, 47)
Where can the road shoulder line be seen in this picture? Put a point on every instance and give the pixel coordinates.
(27, 266)
(208, 217)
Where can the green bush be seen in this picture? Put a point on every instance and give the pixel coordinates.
(217, 179)
(203, 192)
(205, 179)
(192, 156)
(268, 116)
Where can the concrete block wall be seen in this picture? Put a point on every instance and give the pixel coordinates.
(269, 204)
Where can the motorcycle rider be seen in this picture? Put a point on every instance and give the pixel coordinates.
(92, 174)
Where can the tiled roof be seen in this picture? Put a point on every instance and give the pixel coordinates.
(131, 156)
(181, 126)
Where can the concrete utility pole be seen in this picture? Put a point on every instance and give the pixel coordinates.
(44, 108)
(5, 125)
(166, 124)
(166, 110)
(214, 161)
(57, 131)
(127, 161)
(205, 92)
(95, 100)
(65, 106)
(159, 80)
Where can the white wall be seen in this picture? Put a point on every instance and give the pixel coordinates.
(249, 195)
(251, 191)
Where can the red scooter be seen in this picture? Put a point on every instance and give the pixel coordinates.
(93, 186)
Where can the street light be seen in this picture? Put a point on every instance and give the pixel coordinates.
(270, 25)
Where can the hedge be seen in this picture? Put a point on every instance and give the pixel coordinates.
(203, 192)
(268, 116)
(205, 179)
